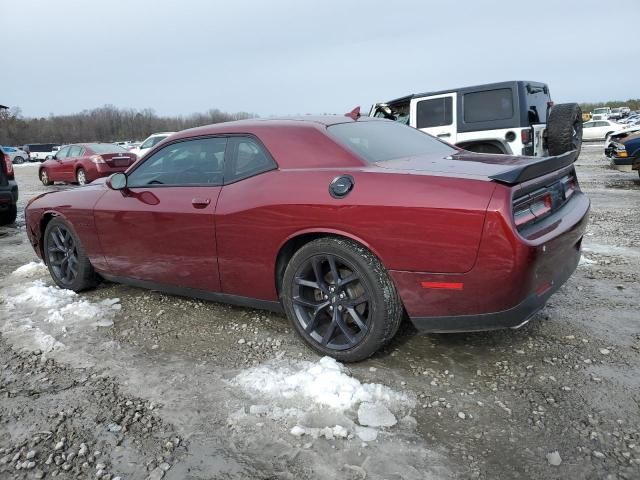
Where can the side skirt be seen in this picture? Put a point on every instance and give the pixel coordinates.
(196, 293)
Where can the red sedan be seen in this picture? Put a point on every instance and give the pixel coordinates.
(345, 224)
(84, 162)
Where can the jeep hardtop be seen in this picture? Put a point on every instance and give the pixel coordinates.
(515, 118)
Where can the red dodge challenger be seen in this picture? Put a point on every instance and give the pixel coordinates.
(344, 223)
(84, 162)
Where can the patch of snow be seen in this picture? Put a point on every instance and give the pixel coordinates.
(38, 315)
(324, 383)
(554, 458)
(584, 261)
(31, 269)
(366, 434)
(375, 415)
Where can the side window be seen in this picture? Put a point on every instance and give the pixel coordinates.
(62, 153)
(74, 151)
(434, 113)
(587, 125)
(248, 158)
(488, 105)
(191, 162)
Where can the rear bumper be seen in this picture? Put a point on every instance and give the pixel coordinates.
(512, 279)
(514, 317)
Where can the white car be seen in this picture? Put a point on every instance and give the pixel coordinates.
(151, 141)
(599, 129)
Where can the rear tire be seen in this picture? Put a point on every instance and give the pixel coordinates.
(44, 178)
(66, 258)
(81, 176)
(349, 317)
(9, 217)
(564, 129)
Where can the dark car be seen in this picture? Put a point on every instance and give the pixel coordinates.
(84, 162)
(624, 151)
(345, 223)
(8, 190)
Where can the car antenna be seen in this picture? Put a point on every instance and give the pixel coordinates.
(354, 114)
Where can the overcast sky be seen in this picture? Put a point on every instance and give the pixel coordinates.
(293, 56)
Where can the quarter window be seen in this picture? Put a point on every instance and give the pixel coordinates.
(248, 159)
(434, 113)
(488, 106)
(192, 162)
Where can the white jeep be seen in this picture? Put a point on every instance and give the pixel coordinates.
(515, 118)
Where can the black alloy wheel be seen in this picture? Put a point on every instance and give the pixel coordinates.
(340, 300)
(331, 302)
(65, 257)
(62, 255)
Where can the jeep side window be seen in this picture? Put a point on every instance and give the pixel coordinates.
(435, 112)
(488, 105)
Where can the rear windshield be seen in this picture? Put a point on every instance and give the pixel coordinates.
(382, 141)
(106, 148)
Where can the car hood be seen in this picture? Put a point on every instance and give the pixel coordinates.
(465, 164)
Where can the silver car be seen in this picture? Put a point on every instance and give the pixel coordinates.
(17, 155)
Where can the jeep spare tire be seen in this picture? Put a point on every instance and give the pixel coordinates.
(564, 129)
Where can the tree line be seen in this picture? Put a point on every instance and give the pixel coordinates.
(104, 124)
(633, 104)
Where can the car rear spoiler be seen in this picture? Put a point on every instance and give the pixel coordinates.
(535, 169)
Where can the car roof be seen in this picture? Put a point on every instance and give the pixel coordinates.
(253, 124)
(486, 86)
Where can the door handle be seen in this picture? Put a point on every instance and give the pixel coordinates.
(200, 202)
(444, 135)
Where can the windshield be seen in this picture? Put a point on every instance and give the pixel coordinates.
(397, 112)
(106, 148)
(600, 110)
(380, 141)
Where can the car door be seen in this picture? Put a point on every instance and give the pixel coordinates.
(244, 242)
(435, 115)
(589, 130)
(161, 227)
(55, 167)
(69, 163)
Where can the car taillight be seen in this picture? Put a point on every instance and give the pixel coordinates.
(570, 185)
(97, 159)
(531, 207)
(8, 166)
(525, 136)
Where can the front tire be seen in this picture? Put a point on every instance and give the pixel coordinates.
(66, 258)
(18, 160)
(340, 300)
(9, 217)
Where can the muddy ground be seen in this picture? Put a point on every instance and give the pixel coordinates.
(154, 394)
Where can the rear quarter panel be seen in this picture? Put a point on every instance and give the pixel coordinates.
(411, 222)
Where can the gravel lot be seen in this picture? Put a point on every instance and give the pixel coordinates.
(126, 383)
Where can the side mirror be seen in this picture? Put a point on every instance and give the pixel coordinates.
(117, 181)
